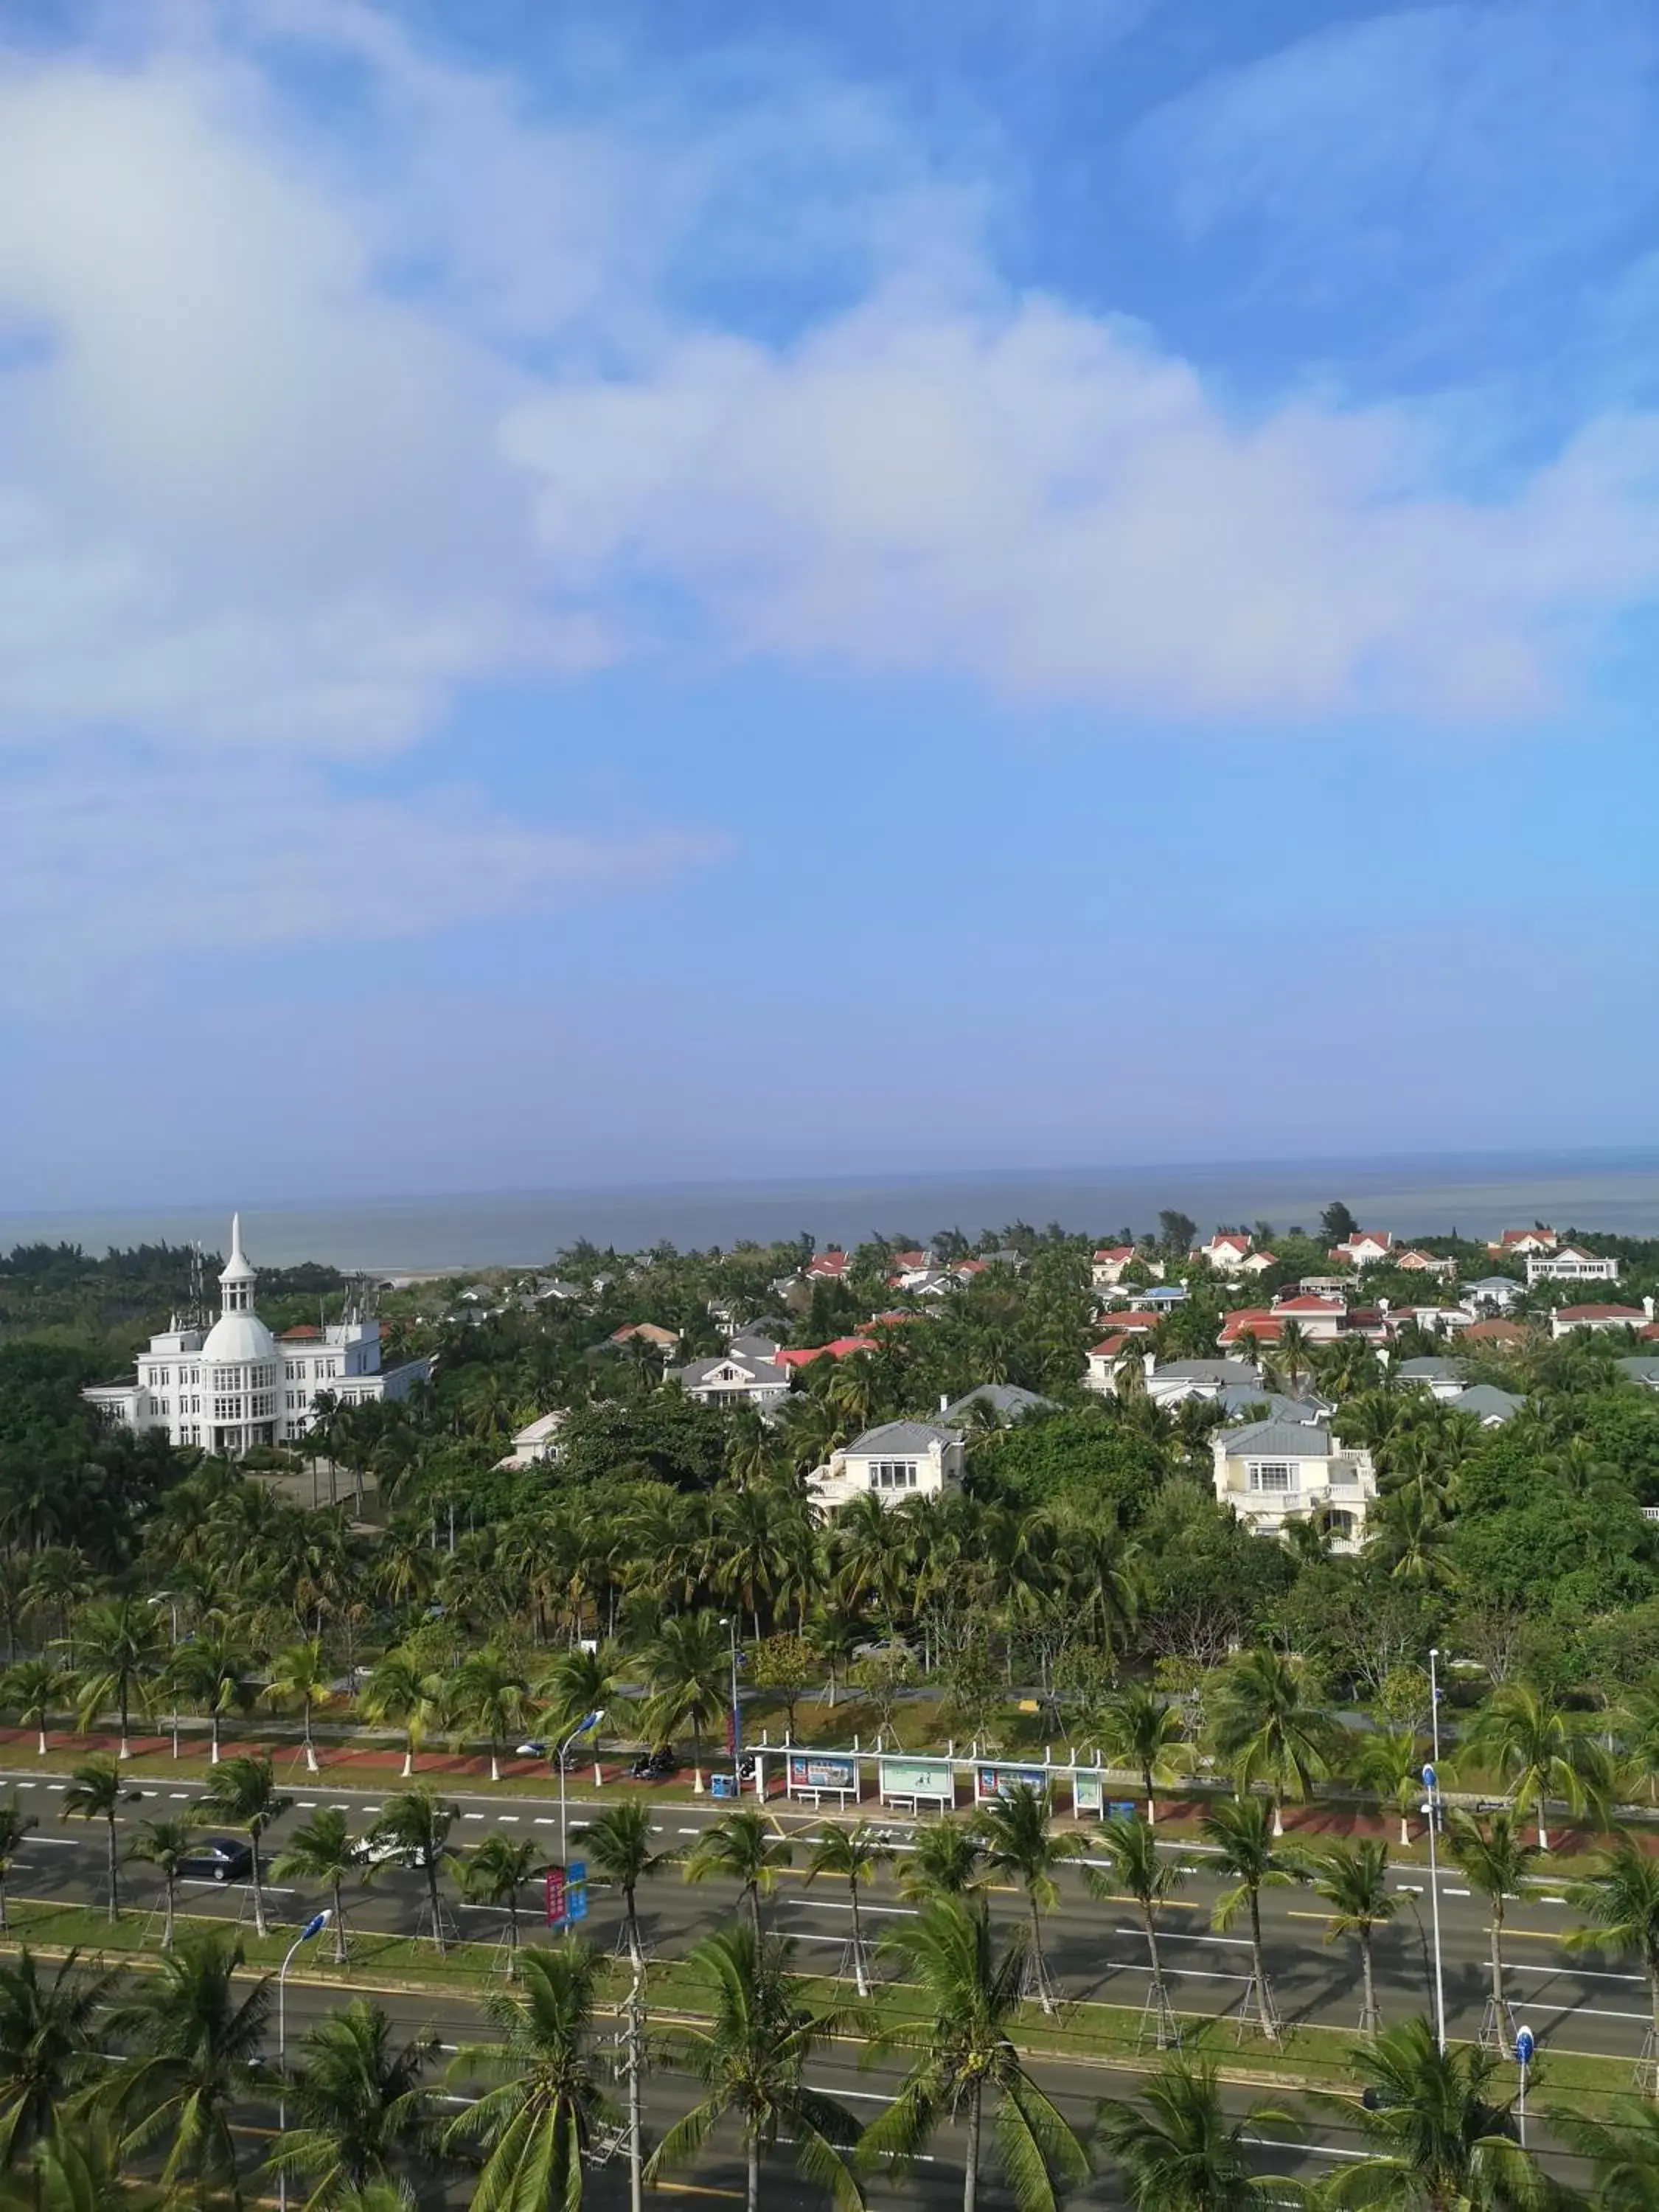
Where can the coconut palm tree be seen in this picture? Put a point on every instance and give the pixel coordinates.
(493, 1699)
(1622, 2145)
(619, 1855)
(852, 1855)
(1495, 1860)
(1240, 1833)
(1438, 2140)
(1390, 1761)
(164, 1845)
(1179, 2150)
(688, 1665)
(49, 2044)
(356, 2103)
(209, 1671)
(493, 1872)
(243, 1793)
(120, 1647)
(96, 1792)
(1619, 1899)
(1265, 1731)
(34, 1689)
(1136, 1868)
(402, 1694)
(1541, 1752)
(195, 2046)
(1353, 1879)
(323, 1849)
(298, 1677)
(540, 2098)
(742, 1848)
(948, 1860)
(579, 1683)
(418, 1823)
(15, 1825)
(965, 2058)
(752, 2063)
(1144, 1731)
(1018, 1843)
(79, 2167)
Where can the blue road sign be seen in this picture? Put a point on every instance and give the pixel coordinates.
(1525, 2045)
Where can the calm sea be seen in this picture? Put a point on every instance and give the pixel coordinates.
(1617, 1192)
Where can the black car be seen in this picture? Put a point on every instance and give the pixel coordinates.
(217, 1858)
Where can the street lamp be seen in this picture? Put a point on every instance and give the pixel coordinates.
(314, 1926)
(589, 1722)
(167, 1599)
(1434, 1698)
(1430, 1782)
(730, 1621)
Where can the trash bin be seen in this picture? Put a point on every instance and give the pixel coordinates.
(723, 1785)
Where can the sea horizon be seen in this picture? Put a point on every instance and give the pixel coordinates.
(1423, 1195)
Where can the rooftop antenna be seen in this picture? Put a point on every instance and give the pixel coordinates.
(197, 1296)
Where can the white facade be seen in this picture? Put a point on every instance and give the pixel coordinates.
(1273, 1473)
(237, 1387)
(735, 1379)
(899, 1459)
(1570, 1264)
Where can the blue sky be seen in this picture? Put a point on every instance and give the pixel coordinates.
(630, 592)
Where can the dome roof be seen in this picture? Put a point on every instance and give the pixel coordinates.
(238, 1338)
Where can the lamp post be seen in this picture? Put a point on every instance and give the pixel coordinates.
(1525, 2044)
(730, 1623)
(1430, 1782)
(314, 1926)
(1434, 1699)
(588, 1722)
(167, 1599)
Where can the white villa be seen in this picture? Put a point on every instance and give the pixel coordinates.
(1570, 1263)
(1272, 1472)
(896, 1461)
(236, 1385)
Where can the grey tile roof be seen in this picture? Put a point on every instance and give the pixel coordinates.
(1208, 1371)
(754, 1370)
(918, 1436)
(1427, 1370)
(1011, 1402)
(1642, 1368)
(1301, 1412)
(1285, 1439)
(1486, 1402)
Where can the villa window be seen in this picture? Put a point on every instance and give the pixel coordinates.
(1273, 1475)
(893, 1475)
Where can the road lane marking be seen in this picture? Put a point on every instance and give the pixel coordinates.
(53, 1842)
(472, 1816)
(509, 1820)
(545, 1820)
(1232, 1942)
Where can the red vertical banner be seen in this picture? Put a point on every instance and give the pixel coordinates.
(555, 1913)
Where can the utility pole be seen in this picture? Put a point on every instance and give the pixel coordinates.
(633, 2044)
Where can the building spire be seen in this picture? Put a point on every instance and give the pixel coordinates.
(237, 1276)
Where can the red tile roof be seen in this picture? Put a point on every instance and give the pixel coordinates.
(803, 1356)
(1114, 1252)
(300, 1328)
(1600, 1313)
(833, 1262)
(1309, 1303)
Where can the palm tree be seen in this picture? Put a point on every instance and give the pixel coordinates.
(492, 1698)
(1015, 1832)
(1265, 1731)
(948, 1861)
(1181, 2151)
(1622, 2147)
(1496, 1860)
(298, 1676)
(1390, 1762)
(34, 1689)
(49, 2044)
(323, 1848)
(1439, 2141)
(619, 1854)
(1541, 1752)
(1239, 1830)
(96, 1792)
(493, 1872)
(1353, 1879)
(1620, 1901)
(854, 1854)
(688, 1665)
(1144, 1731)
(402, 1692)
(14, 1827)
(741, 1847)
(357, 2103)
(1136, 1867)
(209, 1671)
(243, 1791)
(579, 1683)
(119, 1647)
(164, 1845)
(752, 2063)
(418, 1822)
(79, 2167)
(195, 2046)
(964, 2053)
(536, 2116)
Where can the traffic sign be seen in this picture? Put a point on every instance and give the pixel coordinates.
(1525, 2044)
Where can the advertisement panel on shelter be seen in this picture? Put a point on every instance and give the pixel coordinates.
(1088, 1793)
(818, 1770)
(918, 1777)
(998, 1781)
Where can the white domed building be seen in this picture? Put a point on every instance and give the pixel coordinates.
(238, 1387)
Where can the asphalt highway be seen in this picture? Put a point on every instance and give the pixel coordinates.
(1096, 1950)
